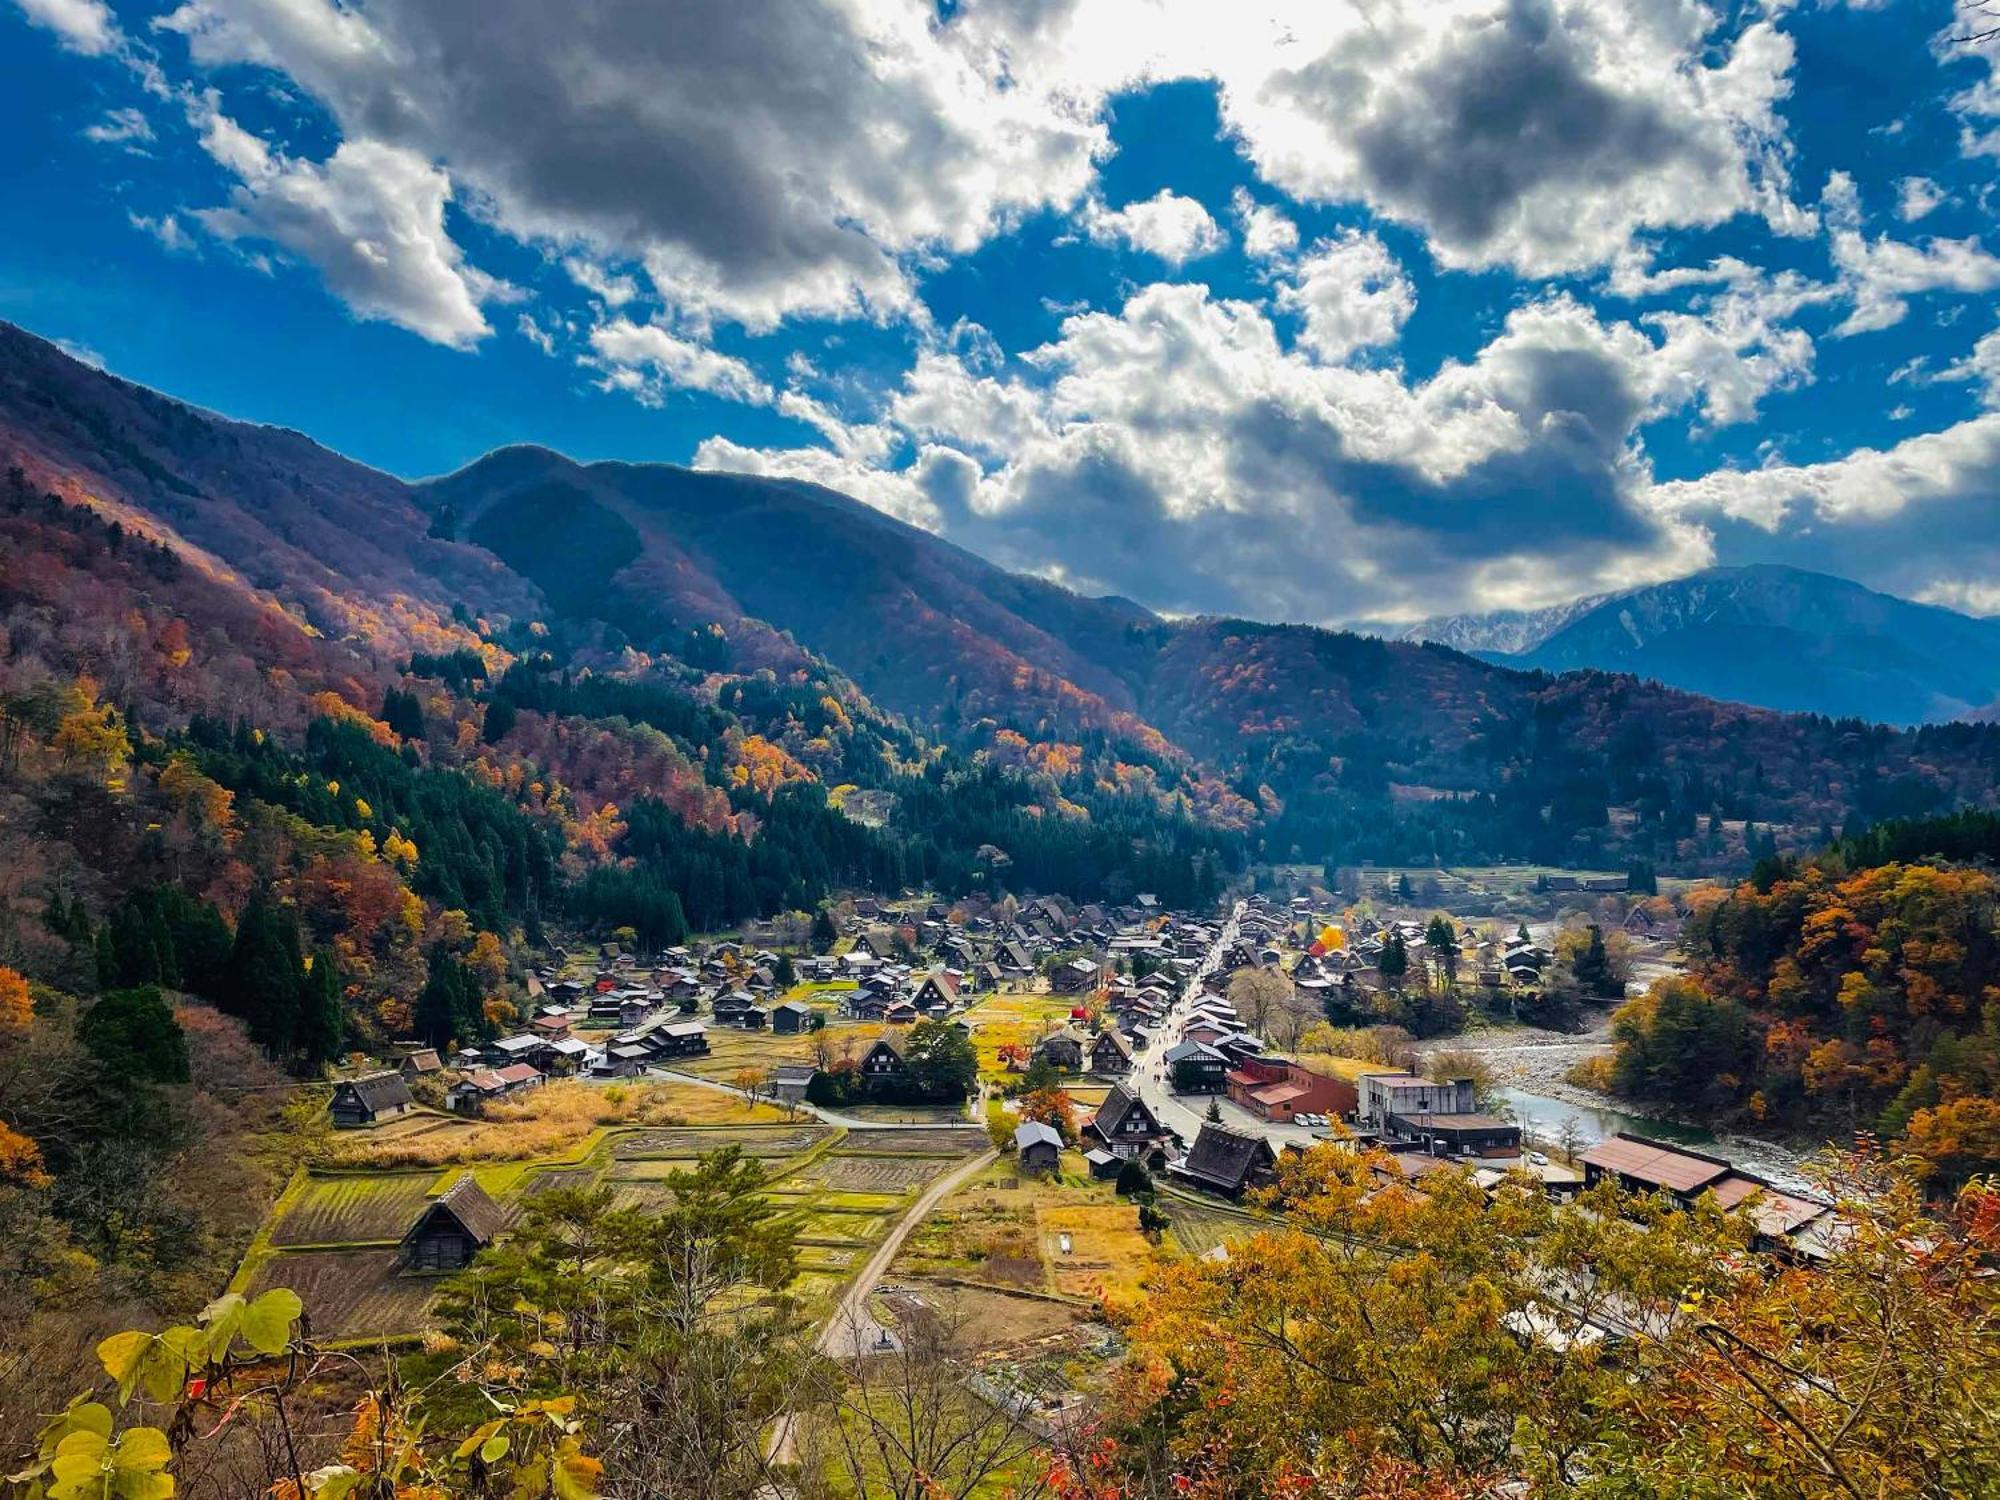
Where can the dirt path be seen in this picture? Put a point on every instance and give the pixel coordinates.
(850, 1319)
(849, 1323)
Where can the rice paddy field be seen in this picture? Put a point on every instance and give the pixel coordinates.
(333, 1235)
(731, 1051)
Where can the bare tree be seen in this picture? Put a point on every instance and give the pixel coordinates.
(921, 1421)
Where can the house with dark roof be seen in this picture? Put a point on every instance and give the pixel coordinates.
(939, 987)
(452, 1228)
(1228, 1161)
(791, 1016)
(1125, 1124)
(365, 1100)
(1074, 977)
(884, 1062)
(789, 1081)
(1110, 1053)
(1062, 1050)
(420, 1063)
(1196, 1068)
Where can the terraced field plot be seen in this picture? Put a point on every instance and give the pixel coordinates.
(537, 1183)
(351, 1294)
(650, 1168)
(873, 1174)
(731, 1051)
(419, 1123)
(690, 1142)
(354, 1209)
(943, 1140)
(1198, 1229)
(842, 1229)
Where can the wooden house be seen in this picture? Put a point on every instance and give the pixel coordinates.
(1037, 1146)
(1228, 1161)
(453, 1227)
(365, 1100)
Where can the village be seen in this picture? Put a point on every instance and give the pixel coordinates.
(1023, 1113)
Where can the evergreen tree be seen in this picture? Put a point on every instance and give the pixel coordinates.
(448, 1008)
(1395, 960)
(785, 971)
(322, 1018)
(1214, 1116)
(824, 933)
(265, 976)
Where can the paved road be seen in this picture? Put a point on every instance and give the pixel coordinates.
(1187, 1113)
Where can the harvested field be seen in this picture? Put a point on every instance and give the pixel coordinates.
(650, 1168)
(351, 1294)
(752, 1141)
(354, 1209)
(550, 1181)
(944, 1140)
(1198, 1229)
(873, 1174)
(1107, 1258)
(421, 1122)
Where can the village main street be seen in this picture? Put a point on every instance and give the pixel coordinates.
(1185, 1114)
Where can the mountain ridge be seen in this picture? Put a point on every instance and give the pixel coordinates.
(1332, 744)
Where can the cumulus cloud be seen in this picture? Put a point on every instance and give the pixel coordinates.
(1267, 233)
(370, 218)
(120, 127)
(1351, 293)
(1181, 451)
(1519, 132)
(648, 359)
(761, 159)
(1916, 197)
(84, 26)
(1174, 228)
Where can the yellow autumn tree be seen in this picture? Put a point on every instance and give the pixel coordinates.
(90, 737)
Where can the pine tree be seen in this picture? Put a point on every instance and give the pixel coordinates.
(1214, 1115)
(824, 934)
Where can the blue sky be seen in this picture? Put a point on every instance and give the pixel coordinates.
(1301, 311)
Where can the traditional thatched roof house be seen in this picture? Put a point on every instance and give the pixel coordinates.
(363, 1101)
(453, 1227)
(1228, 1161)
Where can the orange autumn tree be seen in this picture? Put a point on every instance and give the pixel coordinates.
(1386, 1341)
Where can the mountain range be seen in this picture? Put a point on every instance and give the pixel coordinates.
(1777, 637)
(775, 631)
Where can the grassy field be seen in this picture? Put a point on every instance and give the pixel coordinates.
(731, 1051)
(1013, 1018)
(561, 1118)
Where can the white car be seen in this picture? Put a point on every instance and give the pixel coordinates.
(1538, 1158)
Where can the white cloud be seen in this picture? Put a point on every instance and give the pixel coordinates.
(1981, 366)
(608, 287)
(646, 359)
(1267, 233)
(371, 220)
(1174, 228)
(1352, 294)
(762, 158)
(1517, 132)
(84, 26)
(1867, 484)
(1970, 596)
(1880, 275)
(166, 229)
(120, 127)
(1916, 197)
(1177, 450)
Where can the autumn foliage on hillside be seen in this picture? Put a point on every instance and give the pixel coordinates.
(1845, 1000)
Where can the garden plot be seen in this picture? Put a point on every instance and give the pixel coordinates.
(556, 1178)
(351, 1294)
(651, 1168)
(1095, 1250)
(355, 1209)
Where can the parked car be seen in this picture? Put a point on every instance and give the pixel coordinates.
(1538, 1158)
